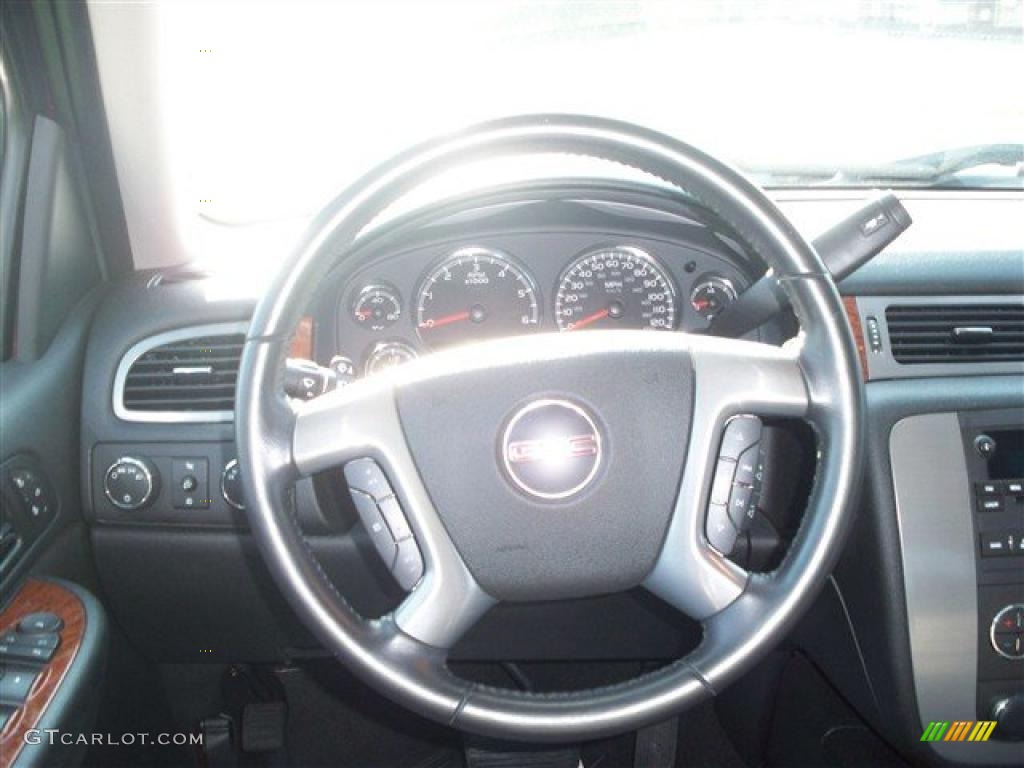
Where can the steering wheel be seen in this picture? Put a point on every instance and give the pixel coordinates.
(457, 442)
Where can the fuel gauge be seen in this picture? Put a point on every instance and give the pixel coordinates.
(711, 295)
(377, 307)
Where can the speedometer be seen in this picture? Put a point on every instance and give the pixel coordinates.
(621, 287)
(475, 293)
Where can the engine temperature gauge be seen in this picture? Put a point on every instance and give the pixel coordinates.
(377, 307)
(711, 295)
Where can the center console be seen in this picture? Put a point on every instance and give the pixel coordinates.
(960, 507)
(993, 444)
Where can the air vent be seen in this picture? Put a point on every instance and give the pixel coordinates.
(186, 375)
(938, 333)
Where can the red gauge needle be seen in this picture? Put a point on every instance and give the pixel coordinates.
(445, 320)
(599, 315)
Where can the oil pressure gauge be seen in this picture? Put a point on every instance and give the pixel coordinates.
(711, 295)
(377, 307)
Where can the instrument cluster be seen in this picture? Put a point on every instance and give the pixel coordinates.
(461, 293)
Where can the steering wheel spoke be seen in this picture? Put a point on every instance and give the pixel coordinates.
(732, 379)
(359, 426)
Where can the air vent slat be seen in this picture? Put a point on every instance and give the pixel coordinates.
(943, 325)
(221, 390)
(171, 363)
(188, 405)
(193, 375)
(928, 333)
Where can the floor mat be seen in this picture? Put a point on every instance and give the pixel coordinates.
(334, 720)
(814, 727)
(702, 741)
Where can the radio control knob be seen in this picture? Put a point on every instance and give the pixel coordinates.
(985, 446)
(1009, 713)
(131, 483)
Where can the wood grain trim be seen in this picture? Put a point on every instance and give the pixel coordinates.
(853, 316)
(34, 596)
(302, 341)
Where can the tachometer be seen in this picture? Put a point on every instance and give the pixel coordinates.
(622, 287)
(475, 293)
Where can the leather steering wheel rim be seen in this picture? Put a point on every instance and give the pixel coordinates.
(744, 615)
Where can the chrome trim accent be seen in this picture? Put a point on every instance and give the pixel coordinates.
(149, 479)
(882, 365)
(158, 340)
(992, 632)
(223, 492)
(505, 443)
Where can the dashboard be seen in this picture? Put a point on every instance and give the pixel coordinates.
(572, 257)
(566, 272)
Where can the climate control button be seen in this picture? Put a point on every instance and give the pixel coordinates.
(1007, 632)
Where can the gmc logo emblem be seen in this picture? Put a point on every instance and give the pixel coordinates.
(551, 449)
(527, 451)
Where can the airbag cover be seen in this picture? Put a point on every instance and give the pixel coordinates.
(601, 538)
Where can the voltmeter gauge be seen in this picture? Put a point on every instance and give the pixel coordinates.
(377, 307)
(711, 295)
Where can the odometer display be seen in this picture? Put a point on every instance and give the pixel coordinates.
(474, 294)
(620, 287)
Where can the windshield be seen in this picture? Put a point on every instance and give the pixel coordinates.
(265, 111)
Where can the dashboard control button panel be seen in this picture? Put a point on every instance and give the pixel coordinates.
(32, 487)
(190, 483)
(736, 487)
(16, 683)
(167, 483)
(1002, 543)
(385, 521)
(40, 623)
(28, 504)
(997, 495)
(34, 638)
